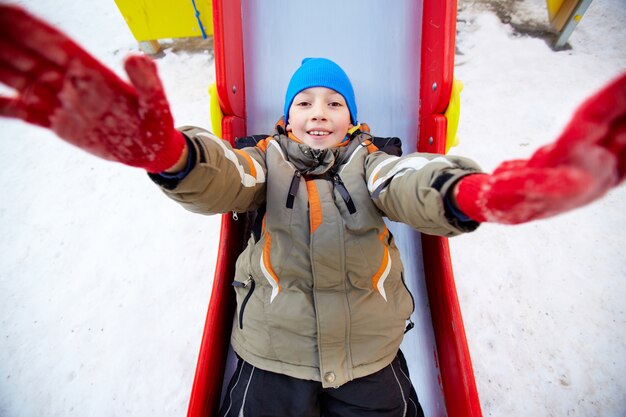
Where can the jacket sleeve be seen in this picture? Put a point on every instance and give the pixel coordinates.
(221, 179)
(412, 189)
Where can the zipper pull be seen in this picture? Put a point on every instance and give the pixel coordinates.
(293, 189)
(235, 216)
(344, 193)
(316, 153)
(243, 284)
(409, 326)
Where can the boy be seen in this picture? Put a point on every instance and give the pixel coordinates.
(322, 306)
(321, 302)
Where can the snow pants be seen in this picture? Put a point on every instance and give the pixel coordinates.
(253, 392)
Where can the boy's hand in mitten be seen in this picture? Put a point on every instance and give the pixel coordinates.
(587, 160)
(61, 87)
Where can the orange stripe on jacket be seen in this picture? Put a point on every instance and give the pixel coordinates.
(371, 148)
(345, 142)
(384, 262)
(248, 159)
(376, 177)
(266, 258)
(293, 137)
(369, 144)
(263, 144)
(315, 208)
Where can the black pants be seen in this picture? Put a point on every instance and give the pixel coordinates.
(253, 392)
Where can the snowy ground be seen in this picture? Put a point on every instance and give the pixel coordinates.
(96, 321)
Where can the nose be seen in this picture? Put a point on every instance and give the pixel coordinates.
(318, 111)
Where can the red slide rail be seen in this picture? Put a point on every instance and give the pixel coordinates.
(437, 60)
(229, 73)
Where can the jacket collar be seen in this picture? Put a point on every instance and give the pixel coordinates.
(310, 161)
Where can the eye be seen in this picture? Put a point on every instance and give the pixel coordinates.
(336, 104)
(302, 103)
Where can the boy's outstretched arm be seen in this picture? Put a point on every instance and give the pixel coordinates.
(586, 161)
(61, 87)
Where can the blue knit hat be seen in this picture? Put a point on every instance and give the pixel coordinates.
(320, 72)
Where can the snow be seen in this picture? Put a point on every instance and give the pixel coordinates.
(95, 320)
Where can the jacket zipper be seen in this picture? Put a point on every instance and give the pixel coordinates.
(410, 325)
(245, 284)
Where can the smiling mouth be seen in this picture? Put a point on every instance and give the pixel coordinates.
(318, 133)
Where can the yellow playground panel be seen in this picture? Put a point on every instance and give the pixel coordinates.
(149, 20)
(564, 15)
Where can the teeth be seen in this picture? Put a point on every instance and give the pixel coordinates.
(318, 133)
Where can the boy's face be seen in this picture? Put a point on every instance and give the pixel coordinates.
(319, 117)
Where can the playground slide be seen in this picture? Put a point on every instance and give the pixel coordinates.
(400, 60)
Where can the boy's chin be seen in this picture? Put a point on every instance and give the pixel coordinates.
(316, 143)
(321, 146)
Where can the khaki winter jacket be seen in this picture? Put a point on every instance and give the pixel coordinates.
(320, 295)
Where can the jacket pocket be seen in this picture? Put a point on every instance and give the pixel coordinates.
(247, 284)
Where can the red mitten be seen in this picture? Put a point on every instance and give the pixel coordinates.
(587, 160)
(61, 87)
